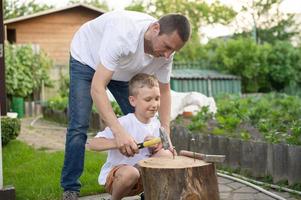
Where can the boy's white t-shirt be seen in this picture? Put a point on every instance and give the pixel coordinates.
(116, 40)
(139, 131)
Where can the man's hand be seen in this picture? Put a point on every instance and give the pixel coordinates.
(124, 141)
(126, 144)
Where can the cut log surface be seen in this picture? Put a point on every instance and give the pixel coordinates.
(181, 178)
(170, 163)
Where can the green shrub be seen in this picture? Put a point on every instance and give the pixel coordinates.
(273, 117)
(64, 85)
(199, 122)
(242, 57)
(116, 108)
(262, 67)
(26, 70)
(10, 129)
(57, 103)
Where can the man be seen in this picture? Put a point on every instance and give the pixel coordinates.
(106, 53)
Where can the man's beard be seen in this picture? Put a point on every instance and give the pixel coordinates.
(148, 47)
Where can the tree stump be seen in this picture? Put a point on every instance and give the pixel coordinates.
(181, 178)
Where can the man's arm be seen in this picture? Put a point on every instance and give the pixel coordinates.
(164, 111)
(124, 141)
(165, 105)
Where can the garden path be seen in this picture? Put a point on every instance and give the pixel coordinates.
(50, 136)
(42, 134)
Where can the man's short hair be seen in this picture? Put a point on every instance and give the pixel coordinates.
(142, 80)
(175, 22)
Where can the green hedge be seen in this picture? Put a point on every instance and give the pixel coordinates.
(10, 129)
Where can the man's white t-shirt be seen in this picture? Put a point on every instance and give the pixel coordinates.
(139, 131)
(116, 40)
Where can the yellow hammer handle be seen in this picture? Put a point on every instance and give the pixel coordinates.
(152, 142)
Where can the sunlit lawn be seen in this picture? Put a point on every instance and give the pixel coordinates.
(35, 174)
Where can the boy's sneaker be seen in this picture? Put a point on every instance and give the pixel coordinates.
(70, 195)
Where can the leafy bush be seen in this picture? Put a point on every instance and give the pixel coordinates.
(25, 70)
(262, 67)
(242, 57)
(283, 61)
(199, 121)
(116, 108)
(57, 103)
(10, 129)
(276, 117)
(64, 85)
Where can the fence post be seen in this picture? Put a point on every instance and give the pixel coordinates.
(294, 164)
(235, 153)
(247, 156)
(280, 162)
(209, 87)
(260, 161)
(180, 137)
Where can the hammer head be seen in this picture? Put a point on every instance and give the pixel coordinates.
(164, 138)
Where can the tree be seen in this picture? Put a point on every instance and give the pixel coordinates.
(199, 13)
(268, 23)
(136, 5)
(17, 8)
(283, 65)
(242, 57)
(101, 4)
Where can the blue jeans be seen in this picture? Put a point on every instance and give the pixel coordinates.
(80, 106)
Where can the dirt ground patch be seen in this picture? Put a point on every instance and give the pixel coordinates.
(42, 134)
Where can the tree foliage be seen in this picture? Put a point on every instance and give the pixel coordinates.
(101, 4)
(284, 65)
(262, 67)
(269, 24)
(243, 57)
(199, 13)
(17, 8)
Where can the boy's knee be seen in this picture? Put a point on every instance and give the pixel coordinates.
(128, 175)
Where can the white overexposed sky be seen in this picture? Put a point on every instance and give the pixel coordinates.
(287, 5)
(216, 30)
(211, 31)
(113, 4)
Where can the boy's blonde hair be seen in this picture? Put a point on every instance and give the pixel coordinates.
(142, 80)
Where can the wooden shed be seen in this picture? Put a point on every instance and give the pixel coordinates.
(51, 30)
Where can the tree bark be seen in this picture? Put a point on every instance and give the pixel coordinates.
(181, 178)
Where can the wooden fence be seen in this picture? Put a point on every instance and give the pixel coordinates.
(259, 159)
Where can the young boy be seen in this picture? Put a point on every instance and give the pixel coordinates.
(119, 174)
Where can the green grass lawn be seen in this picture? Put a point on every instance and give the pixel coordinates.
(35, 174)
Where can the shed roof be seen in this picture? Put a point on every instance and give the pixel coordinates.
(200, 74)
(50, 11)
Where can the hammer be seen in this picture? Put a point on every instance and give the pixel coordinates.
(163, 138)
(205, 157)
